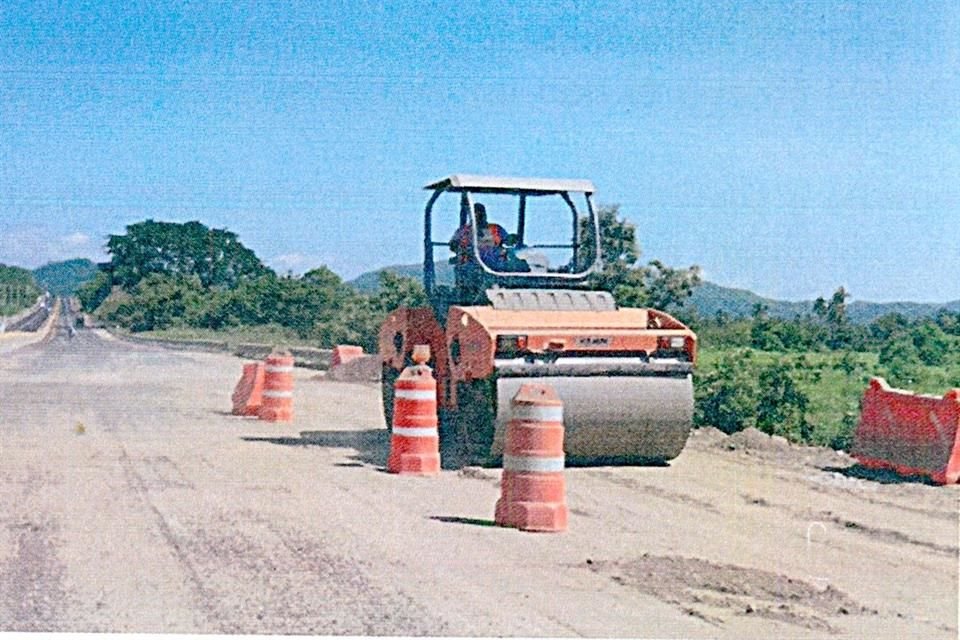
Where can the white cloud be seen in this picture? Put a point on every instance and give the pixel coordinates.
(31, 247)
(295, 262)
(76, 239)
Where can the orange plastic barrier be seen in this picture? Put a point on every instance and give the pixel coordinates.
(277, 403)
(909, 433)
(414, 440)
(344, 353)
(248, 394)
(533, 494)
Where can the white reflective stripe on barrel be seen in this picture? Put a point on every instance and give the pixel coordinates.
(537, 413)
(279, 368)
(278, 394)
(415, 432)
(529, 463)
(412, 394)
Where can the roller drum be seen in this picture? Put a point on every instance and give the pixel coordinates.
(613, 418)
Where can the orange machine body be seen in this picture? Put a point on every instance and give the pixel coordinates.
(467, 348)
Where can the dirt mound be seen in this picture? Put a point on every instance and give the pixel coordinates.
(716, 592)
(707, 436)
(362, 369)
(751, 439)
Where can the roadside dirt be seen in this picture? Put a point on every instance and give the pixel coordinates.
(166, 514)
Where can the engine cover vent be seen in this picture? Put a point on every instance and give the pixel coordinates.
(551, 300)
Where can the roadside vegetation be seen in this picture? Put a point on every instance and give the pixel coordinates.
(18, 290)
(801, 378)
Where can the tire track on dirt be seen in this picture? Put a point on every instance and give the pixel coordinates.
(138, 485)
(32, 595)
(882, 534)
(254, 574)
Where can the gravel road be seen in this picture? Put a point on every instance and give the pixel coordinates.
(132, 501)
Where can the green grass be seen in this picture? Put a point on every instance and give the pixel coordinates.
(263, 334)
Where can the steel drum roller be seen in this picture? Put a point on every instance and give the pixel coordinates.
(643, 417)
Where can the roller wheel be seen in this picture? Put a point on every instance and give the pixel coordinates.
(387, 381)
(473, 424)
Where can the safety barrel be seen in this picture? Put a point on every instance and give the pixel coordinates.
(533, 492)
(248, 394)
(414, 439)
(277, 403)
(912, 434)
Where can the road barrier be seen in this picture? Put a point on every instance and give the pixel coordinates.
(344, 353)
(277, 405)
(414, 439)
(533, 493)
(309, 357)
(248, 394)
(910, 433)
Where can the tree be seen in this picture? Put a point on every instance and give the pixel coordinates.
(932, 344)
(18, 289)
(899, 357)
(93, 292)
(781, 406)
(837, 307)
(160, 301)
(215, 256)
(397, 291)
(633, 285)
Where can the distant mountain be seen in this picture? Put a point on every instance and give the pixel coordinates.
(369, 282)
(64, 278)
(710, 298)
(864, 312)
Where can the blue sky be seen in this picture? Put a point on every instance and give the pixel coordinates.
(785, 147)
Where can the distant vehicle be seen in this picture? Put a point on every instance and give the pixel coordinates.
(526, 314)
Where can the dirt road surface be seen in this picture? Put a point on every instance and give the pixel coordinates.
(131, 501)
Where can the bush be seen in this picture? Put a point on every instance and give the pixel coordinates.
(738, 392)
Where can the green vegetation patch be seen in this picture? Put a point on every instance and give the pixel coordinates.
(18, 290)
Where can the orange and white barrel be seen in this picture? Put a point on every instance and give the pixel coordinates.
(414, 438)
(277, 396)
(533, 492)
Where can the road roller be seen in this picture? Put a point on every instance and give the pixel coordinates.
(507, 266)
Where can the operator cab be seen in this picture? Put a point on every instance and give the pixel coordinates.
(507, 233)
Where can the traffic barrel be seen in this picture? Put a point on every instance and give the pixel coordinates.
(533, 493)
(248, 394)
(277, 403)
(913, 434)
(414, 439)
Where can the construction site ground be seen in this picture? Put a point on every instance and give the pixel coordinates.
(132, 501)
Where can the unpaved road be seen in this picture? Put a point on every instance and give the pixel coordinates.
(166, 514)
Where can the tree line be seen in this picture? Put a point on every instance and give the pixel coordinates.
(165, 274)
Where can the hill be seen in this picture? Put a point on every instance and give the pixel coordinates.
(63, 278)
(369, 282)
(710, 298)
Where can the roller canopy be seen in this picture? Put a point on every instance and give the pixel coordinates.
(499, 184)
